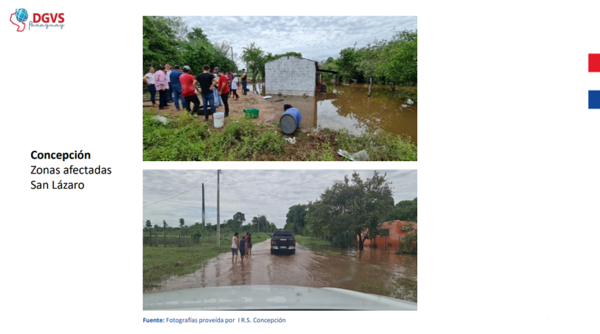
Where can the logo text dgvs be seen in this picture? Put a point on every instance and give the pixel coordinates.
(49, 17)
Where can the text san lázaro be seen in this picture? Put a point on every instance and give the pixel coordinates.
(40, 169)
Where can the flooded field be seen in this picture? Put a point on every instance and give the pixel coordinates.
(372, 271)
(349, 107)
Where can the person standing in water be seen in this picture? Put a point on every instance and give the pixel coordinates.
(249, 244)
(235, 244)
(242, 248)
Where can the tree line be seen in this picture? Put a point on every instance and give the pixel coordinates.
(350, 208)
(391, 61)
(197, 230)
(168, 40)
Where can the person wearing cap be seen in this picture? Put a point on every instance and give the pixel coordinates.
(224, 91)
(188, 90)
(162, 85)
(175, 86)
(234, 86)
(149, 80)
(205, 79)
(217, 98)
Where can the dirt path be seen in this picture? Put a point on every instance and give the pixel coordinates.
(270, 111)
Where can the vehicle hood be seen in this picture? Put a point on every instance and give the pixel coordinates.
(271, 297)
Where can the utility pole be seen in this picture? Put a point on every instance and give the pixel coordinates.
(203, 212)
(218, 209)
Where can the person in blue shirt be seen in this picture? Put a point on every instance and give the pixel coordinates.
(176, 87)
(242, 248)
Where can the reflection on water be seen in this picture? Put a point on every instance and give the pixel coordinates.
(349, 107)
(375, 271)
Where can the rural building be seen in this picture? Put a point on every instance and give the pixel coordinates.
(291, 75)
(396, 229)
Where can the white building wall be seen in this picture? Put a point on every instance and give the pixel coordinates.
(290, 76)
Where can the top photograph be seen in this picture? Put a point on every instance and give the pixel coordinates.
(277, 88)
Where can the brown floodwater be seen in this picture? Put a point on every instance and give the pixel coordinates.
(349, 107)
(375, 271)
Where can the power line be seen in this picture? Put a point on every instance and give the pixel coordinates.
(168, 198)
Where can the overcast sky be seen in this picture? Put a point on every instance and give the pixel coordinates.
(252, 192)
(316, 37)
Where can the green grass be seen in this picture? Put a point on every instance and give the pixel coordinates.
(186, 138)
(405, 288)
(160, 262)
(310, 241)
(381, 146)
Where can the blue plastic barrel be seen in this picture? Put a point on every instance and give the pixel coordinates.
(290, 121)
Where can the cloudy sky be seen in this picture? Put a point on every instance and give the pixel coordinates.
(316, 37)
(174, 194)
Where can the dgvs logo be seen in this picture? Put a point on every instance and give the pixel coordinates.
(43, 20)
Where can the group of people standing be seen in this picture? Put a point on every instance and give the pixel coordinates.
(244, 245)
(173, 85)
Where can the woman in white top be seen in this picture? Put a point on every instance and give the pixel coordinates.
(234, 85)
(235, 244)
(149, 80)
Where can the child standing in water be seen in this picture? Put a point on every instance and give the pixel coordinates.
(242, 248)
(249, 244)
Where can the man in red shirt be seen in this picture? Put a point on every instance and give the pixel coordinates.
(188, 90)
(224, 91)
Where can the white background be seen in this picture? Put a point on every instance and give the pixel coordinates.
(508, 168)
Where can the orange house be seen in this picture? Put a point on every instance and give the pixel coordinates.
(397, 231)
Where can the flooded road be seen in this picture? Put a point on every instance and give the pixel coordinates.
(372, 271)
(349, 107)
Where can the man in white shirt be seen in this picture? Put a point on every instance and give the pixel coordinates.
(149, 80)
(170, 91)
(234, 86)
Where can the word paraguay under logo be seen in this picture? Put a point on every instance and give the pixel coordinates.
(45, 20)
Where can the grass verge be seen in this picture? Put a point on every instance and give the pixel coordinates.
(310, 241)
(160, 262)
(186, 138)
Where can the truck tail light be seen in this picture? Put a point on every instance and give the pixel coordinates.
(294, 240)
(272, 240)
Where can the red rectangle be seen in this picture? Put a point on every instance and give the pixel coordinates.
(594, 62)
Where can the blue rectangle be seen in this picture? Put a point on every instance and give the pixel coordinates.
(594, 99)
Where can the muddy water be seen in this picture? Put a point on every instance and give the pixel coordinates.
(349, 107)
(370, 271)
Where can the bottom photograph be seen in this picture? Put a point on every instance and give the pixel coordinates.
(279, 240)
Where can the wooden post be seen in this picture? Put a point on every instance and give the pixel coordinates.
(370, 85)
(218, 210)
(164, 233)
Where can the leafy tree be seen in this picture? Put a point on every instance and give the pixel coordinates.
(196, 34)
(352, 206)
(237, 221)
(347, 63)
(254, 57)
(398, 59)
(404, 210)
(295, 218)
(261, 223)
(160, 38)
